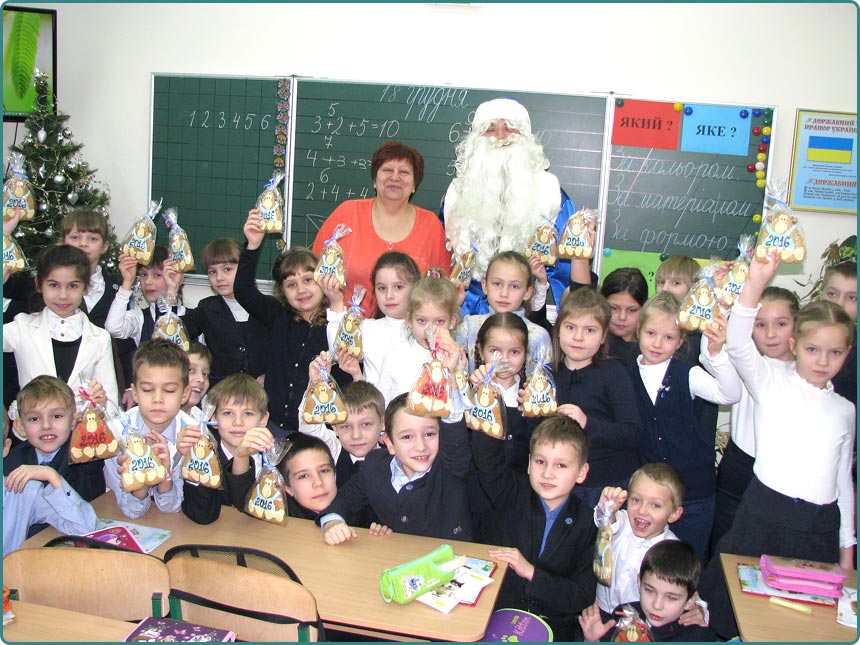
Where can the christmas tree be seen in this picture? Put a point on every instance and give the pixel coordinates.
(59, 178)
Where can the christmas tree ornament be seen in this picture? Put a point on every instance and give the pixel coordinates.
(73, 198)
(41, 135)
(59, 179)
(67, 133)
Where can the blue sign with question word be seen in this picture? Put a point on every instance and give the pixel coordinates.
(715, 129)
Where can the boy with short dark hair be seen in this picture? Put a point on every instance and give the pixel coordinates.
(417, 486)
(160, 387)
(549, 536)
(238, 341)
(34, 495)
(668, 579)
(353, 439)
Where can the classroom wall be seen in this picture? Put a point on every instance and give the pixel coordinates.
(788, 55)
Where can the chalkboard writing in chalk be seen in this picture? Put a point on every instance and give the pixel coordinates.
(338, 125)
(685, 179)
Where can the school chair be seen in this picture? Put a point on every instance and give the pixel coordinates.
(251, 592)
(111, 583)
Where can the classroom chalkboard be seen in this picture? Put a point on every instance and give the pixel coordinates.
(685, 179)
(215, 143)
(338, 125)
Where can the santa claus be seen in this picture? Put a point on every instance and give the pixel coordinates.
(501, 193)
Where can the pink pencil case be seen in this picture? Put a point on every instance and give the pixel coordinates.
(804, 576)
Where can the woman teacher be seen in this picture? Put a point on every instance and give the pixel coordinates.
(387, 222)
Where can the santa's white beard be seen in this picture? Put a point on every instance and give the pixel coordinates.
(498, 203)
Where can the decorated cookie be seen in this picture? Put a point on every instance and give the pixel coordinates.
(731, 284)
(92, 438)
(13, 258)
(170, 327)
(697, 309)
(143, 468)
(323, 404)
(780, 231)
(539, 399)
(464, 263)
(139, 243)
(201, 466)
(431, 392)
(331, 258)
(266, 500)
(486, 414)
(577, 241)
(18, 197)
(544, 244)
(180, 249)
(271, 206)
(349, 330)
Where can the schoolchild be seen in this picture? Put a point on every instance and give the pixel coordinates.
(60, 340)
(626, 291)
(416, 486)
(547, 536)
(666, 392)
(33, 496)
(508, 286)
(667, 585)
(596, 392)
(772, 332)
(159, 388)
(295, 317)
(199, 367)
(393, 276)
(238, 341)
(800, 503)
(239, 429)
(432, 307)
(840, 286)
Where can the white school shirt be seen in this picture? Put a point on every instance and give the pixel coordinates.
(96, 290)
(400, 367)
(123, 322)
(628, 551)
(169, 502)
(804, 434)
(378, 336)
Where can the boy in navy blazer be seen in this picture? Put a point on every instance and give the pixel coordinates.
(548, 537)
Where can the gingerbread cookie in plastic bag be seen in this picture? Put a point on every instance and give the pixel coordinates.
(602, 564)
(18, 197)
(488, 413)
(463, 265)
(630, 628)
(323, 401)
(544, 244)
(577, 238)
(271, 206)
(143, 468)
(539, 399)
(180, 248)
(169, 326)
(698, 308)
(201, 464)
(780, 229)
(139, 243)
(267, 498)
(431, 392)
(349, 330)
(331, 258)
(93, 437)
(14, 260)
(733, 276)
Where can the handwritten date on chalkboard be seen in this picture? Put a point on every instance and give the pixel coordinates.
(221, 120)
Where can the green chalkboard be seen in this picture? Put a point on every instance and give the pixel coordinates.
(338, 125)
(693, 184)
(214, 147)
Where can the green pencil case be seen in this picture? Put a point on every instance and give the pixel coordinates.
(406, 581)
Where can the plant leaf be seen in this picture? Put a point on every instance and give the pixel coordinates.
(23, 43)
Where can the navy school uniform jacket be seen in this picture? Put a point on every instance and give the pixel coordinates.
(674, 433)
(673, 632)
(203, 504)
(433, 506)
(87, 479)
(292, 346)
(563, 583)
(605, 393)
(237, 347)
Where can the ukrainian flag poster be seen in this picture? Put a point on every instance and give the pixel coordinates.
(824, 168)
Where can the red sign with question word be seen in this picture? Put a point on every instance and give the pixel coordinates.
(646, 124)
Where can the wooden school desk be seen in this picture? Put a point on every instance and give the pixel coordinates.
(760, 620)
(37, 623)
(344, 579)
